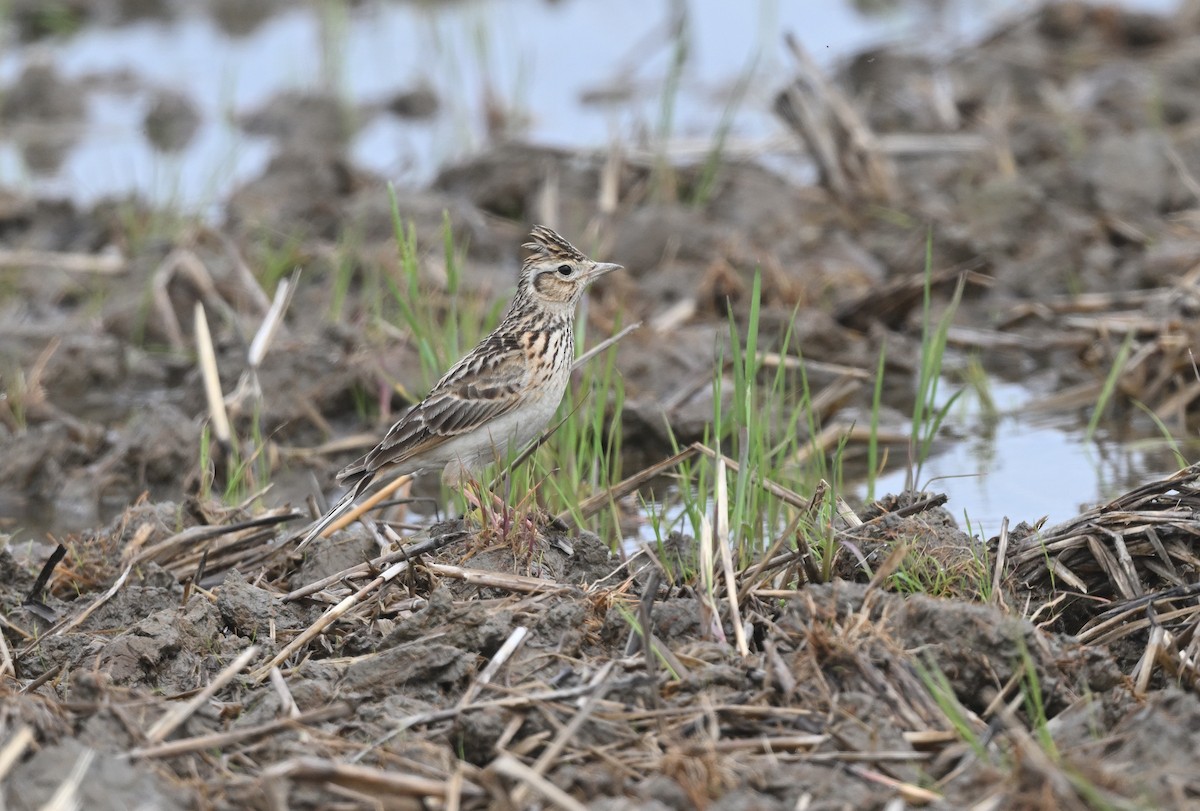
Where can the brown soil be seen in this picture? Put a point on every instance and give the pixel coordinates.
(1072, 685)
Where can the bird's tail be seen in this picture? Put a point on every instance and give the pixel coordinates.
(334, 512)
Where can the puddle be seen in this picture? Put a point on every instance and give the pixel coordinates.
(996, 464)
(465, 52)
(1025, 467)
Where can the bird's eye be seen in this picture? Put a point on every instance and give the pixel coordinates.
(564, 270)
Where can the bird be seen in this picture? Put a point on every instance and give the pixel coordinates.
(501, 394)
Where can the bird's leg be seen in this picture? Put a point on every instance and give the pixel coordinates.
(500, 522)
(469, 497)
(496, 516)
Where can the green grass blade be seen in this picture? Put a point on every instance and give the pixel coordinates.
(1110, 387)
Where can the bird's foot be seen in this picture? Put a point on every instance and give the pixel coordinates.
(502, 524)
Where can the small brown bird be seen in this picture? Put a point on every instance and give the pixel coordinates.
(502, 393)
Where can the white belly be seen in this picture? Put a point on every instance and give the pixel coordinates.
(466, 455)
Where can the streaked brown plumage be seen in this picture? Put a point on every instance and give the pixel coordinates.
(502, 393)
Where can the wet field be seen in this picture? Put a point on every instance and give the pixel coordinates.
(916, 291)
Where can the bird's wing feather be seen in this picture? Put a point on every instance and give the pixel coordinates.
(477, 390)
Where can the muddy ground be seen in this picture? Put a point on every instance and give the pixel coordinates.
(1056, 170)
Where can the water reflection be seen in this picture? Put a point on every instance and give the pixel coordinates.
(1010, 464)
(463, 63)
(995, 463)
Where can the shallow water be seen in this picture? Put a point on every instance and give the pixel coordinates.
(1024, 467)
(1003, 463)
(539, 58)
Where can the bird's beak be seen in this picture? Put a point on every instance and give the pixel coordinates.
(603, 268)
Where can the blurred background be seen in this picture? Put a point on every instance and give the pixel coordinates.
(180, 102)
(1044, 147)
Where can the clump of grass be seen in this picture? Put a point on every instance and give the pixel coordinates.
(274, 262)
(238, 471)
(873, 461)
(14, 400)
(141, 226)
(764, 421)
(512, 524)
(1110, 387)
(928, 416)
(1024, 747)
(922, 572)
(764, 425)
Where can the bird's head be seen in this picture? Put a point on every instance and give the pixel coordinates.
(556, 274)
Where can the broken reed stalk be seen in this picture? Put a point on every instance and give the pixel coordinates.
(142, 534)
(567, 733)
(241, 270)
(243, 544)
(216, 740)
(183, 261)
(327, 619)
(497, 580)
(710, 614)
(66, 797)
(612, 340)
(788, 743)
(641, 635)
(14, 748)
(75, 621)
(530, 780)
(171, 720)
(1001, 557)
(66, 625)
(212, 381)
(908, 792)
(850, 163)
(273, 319)
(724, 543)
(511, 645)
(287, 704)
(6, 662)
(1145, 666)
(381, 785)
(357, 511)
(102, 264)
(593, 504)
(248, 386)
(790, 497)
(408, 552)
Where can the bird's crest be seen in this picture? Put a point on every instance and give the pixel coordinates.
(548, 245)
